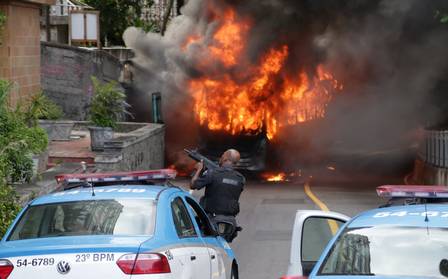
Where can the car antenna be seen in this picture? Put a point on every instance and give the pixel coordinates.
(91, 187)
(84, 170)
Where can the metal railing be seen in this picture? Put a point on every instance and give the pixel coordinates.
(434, 149)
(63, 7)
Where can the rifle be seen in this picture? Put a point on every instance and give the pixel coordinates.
(195, 155)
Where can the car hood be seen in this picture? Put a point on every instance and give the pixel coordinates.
(71, 244)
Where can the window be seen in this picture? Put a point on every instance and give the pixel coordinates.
(317, 232)
(417, 252)
(100, 217)
(182, 220)
(201, 219)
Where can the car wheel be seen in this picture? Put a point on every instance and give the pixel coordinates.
(234, 274)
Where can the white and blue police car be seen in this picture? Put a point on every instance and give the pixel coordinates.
(407, 240)
(127, 228)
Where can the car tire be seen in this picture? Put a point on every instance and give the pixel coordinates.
(234, 274)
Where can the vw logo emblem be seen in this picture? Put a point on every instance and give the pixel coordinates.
(63, 267)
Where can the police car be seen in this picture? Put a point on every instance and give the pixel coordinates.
(126, 228)
(395, 241)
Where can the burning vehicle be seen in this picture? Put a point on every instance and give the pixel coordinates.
(253, 148)
(238, 97)
(245, 107)
(240, 74)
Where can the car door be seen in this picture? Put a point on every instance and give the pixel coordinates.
(312, 231)
(217, 258)
(194, 251)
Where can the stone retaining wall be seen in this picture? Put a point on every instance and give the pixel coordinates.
(141, 149)
(66, 73)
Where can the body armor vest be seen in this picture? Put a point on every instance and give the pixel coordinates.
(222, 195)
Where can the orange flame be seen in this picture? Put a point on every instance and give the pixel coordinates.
(281, 176)
(275, 177)
(229, 40)
(262, 97)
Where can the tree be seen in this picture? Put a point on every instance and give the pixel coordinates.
(116, 16)
(166, 16)
(18, 142)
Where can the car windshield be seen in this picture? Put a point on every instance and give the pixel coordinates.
(96, 217)
(388, 251)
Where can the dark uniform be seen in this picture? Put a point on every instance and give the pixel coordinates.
(223, 187)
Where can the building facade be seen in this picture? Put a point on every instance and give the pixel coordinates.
(20, 47)
(57, 16)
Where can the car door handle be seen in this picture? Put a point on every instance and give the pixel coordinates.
(213, 257)
(193, 258)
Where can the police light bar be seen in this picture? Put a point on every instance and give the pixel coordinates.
(412, 191)
(162, 174)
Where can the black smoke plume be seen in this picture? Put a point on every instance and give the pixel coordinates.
(391, 56)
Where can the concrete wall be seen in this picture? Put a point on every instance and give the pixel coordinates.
(66, 75)
(141, 149)
(20, 48)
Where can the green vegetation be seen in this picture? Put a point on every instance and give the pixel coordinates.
(18, 142)
(116, 16)
(3, 19)
(108, 104)
(8, 207)
(444, 19)
(146, 25)
(442, 16)
(41, 107)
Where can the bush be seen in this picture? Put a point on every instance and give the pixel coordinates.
(108, 104)
(18, 142)
(8, 207)
(41, 107)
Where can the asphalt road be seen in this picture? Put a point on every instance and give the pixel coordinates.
(268, 211)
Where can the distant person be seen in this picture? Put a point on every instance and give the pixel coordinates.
(223, 185)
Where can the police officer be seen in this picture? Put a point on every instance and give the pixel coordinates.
(223, 185)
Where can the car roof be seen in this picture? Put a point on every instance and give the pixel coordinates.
(105, 192)
(408, 215)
